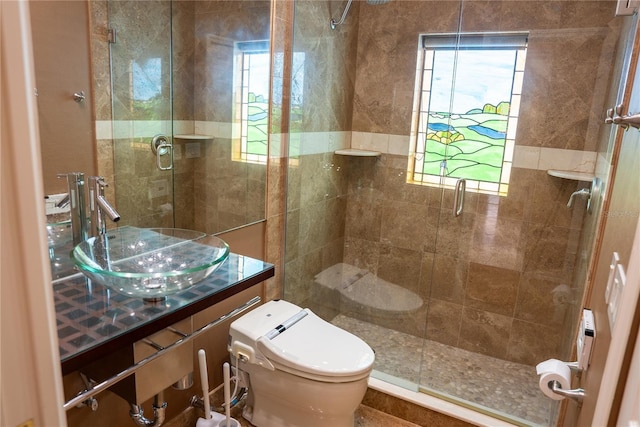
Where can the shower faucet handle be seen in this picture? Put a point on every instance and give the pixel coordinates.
(614, 116)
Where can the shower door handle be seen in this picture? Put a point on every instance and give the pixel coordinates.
(161, 146)
(458, 196)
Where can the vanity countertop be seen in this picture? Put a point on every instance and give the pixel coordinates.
(94, 321)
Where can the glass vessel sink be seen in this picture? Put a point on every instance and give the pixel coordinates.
(150, 262)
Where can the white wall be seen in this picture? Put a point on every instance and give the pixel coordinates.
(30, 376)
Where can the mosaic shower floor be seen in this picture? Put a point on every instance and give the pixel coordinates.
(497, 385)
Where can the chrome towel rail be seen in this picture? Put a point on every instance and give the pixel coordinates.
(98, 388)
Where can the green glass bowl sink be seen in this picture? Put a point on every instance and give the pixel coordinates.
(150, 262)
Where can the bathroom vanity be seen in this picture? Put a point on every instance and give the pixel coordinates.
(94, 321)
(102, 333)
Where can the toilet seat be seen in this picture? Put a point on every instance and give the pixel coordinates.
(310, 348)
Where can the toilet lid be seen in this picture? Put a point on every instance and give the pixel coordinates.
(319, 350)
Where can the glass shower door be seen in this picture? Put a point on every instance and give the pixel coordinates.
(509, 270)
(498, 279)
(140, 46)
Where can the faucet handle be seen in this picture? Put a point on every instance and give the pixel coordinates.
(72, 176)
(98, 182)
(581, 192)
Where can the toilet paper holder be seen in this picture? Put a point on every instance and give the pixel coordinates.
(555, 380)
(576, 394)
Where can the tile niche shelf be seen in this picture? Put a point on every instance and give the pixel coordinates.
(577, 176)
(356, 152)
(193, 137)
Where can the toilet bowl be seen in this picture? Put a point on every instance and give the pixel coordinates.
(301, 370)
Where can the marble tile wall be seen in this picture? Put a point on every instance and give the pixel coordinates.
(277, 166)
(503, 268)
(212, 192)
(227, 193)
(143, 195)
(317, 182)
(506, 267)
(494, 269)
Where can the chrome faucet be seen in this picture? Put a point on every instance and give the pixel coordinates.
(100, 206)
(581, 192)
(75, 182)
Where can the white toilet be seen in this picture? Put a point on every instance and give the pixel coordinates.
(302, 371)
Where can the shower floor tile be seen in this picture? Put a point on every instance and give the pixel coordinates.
(501, 386)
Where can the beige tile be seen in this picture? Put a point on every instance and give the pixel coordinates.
(408, 225)
(531, 343)
(492, 289)
(364, 217)
(498, 241)
(409, 411)
(455, 234)
(443, 322)
(543, 299)
(401, 266)
(362, 253)
(449, 279)
(548, 252)
(485, 333)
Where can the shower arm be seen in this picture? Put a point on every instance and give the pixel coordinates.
(335, 23)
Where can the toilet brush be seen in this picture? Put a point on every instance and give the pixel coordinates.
(228, 421)
(211, 419)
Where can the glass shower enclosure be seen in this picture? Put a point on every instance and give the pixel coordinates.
(190, 86)
(449, 248)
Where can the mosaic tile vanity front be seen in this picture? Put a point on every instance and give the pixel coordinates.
(93, 320)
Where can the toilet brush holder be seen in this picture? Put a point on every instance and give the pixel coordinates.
(226, 375)
(215, 420)
(232, 423)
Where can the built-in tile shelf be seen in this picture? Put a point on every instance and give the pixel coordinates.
(193, 137)
(577, 176)
(356, 152)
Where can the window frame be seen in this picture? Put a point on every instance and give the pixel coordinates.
(429, 45)
(240, 146)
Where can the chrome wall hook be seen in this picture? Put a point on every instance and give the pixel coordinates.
(79, 96)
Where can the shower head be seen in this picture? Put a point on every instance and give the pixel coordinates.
(335, 23)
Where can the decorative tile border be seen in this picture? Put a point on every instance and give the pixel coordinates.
(123, 129)
(306, 143)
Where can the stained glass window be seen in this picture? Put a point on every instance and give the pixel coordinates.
(255, 63)
(469, 97)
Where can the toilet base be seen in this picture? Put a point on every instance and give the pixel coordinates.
(280, 399)
(264, 418)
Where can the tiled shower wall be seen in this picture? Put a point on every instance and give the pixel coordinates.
(227, 193)
(317, 181)
(212, 192)
(499, 280)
